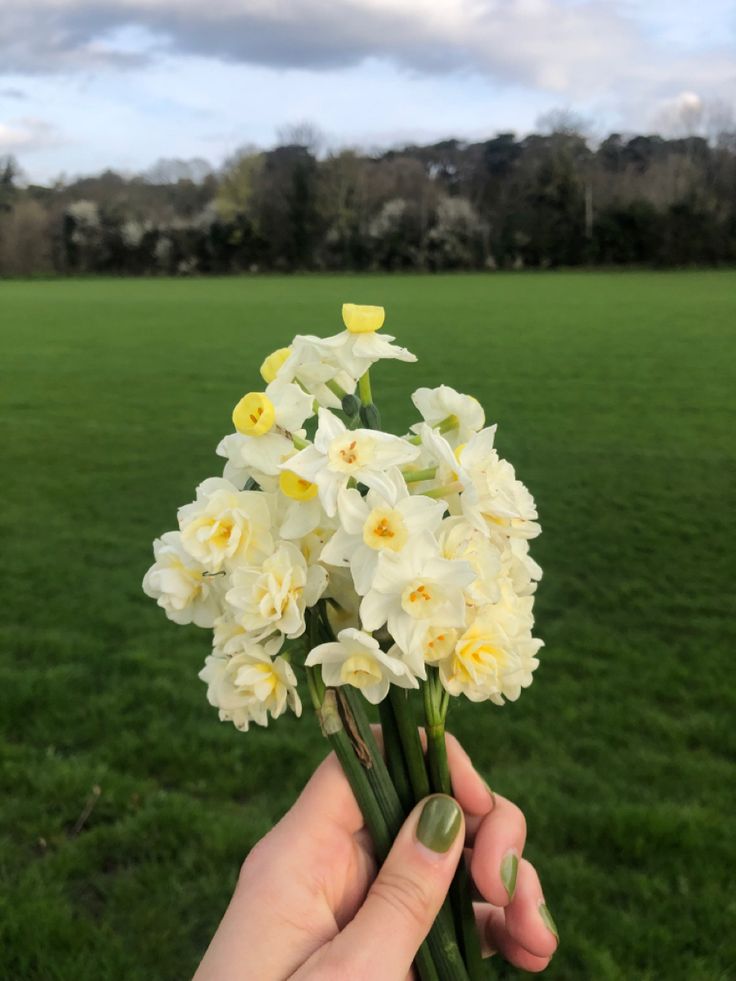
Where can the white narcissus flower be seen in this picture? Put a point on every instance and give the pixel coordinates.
(356, 659)
(236, 470)
(181, 586)
(493, 499)
(225, 525)
(265, 423)
(312, 365)
(458, 539)
(344, 357)
(517, 565)
(437, 453)
(483, 666)
(251, 685)
(415, 588)
(274, 595)
(296, 507)
(361, 346)
(339, 455)
(376, 522)
(343, 603)
(436, 405)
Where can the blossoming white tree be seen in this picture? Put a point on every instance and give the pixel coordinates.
(370, 564)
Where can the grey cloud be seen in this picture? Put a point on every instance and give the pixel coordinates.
(12, 93)
(573, 49)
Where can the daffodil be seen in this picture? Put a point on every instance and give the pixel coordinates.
(340, 455)
(272, 596)
(371, 524)
(225, 525)
(462, 415)
(251, 685)
(414, 588)
(487, 664)
(356, 659)
(494, 499)
(266, 422)
(273, 364)
(356, 352)
(458, 539)
(182, 586)
(312, 365)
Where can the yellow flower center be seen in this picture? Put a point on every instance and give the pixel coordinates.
(296, 487)
(360, 670)
(272, 364)
(477, 656)
(419, 601)
(269, 679)
(254, 414)
(348, 452)
(385, 528)
(361, 319)
(439, 644)
(220, 532)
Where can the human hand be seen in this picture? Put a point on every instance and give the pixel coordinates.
(311, 904)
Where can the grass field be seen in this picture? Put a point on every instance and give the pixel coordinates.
(614, 398)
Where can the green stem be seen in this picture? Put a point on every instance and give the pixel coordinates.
(448, 423)
(411, 744)
(364, 388)
(395, 755)
(413, 476)
(356, 772)
(299, 443)
(435, 708)
(444, 490)
(353, 713)
(334, 731)
(441, 947)
(336, 389)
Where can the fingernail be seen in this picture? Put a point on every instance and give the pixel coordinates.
(439, 823)
(547, 919)
(509, 869)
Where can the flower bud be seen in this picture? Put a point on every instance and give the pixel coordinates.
(370, 416)
(350, 406)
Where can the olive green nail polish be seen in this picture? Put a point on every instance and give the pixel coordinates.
(547, 918)
(439, 823)
(509, 869)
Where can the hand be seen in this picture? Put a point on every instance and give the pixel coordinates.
(311, 905)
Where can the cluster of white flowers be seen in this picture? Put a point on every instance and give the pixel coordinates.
(416, 547)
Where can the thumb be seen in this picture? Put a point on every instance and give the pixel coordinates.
(387, 931)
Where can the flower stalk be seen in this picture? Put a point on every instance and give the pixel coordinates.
(435, 710)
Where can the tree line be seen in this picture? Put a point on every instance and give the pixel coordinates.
(544, 200)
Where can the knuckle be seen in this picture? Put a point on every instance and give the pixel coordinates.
(406, 896)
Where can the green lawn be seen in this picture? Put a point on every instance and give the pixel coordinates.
(613, 394)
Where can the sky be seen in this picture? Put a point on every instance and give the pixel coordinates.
(91, 84)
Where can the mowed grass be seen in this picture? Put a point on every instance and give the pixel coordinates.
(614, 398)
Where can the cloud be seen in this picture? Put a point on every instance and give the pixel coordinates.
(571, 47)
(12, 93)
(26, 135)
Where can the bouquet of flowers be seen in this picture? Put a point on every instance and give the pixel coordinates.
(374, 564)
